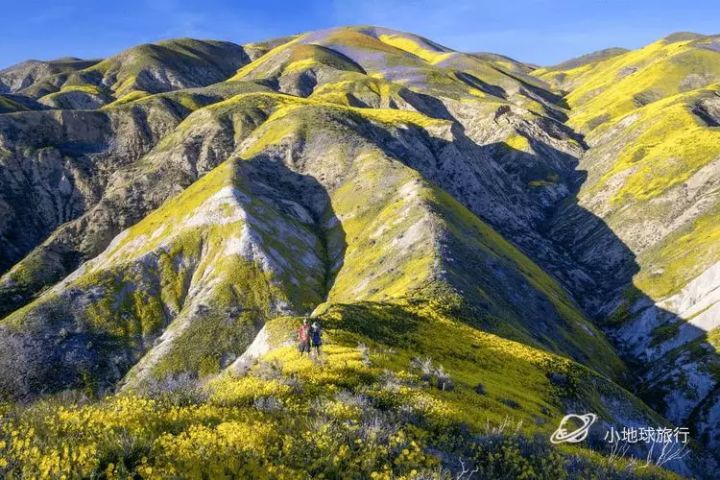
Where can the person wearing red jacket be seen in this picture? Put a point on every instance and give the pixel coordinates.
(304, 337)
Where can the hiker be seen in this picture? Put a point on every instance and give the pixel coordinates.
(316, 337)
(304, 337)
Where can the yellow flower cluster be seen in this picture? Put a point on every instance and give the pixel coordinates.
(230, 450)
(222, 438)
(50, 441)
(242, 391)
(342, 365)
(25, 449)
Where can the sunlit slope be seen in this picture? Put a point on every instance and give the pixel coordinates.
(400, 388)
(651, 174)
(495, 118)
(423, 228)
(79, 189)
(359, 222)
(652, 161)
(311, 213)
(653, 158)
(330, 58)
(188, 284)
(142, 70)
(24, 75)
(171, 213)
(603, 90)
(651, 118)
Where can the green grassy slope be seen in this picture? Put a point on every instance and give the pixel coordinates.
(398, 191)
(650, 121)
(146, 69)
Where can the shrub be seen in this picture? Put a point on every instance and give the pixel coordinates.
(425, 366)
(436, 376)
(271, 370)
(516, 457)
(267, 404)
(443, 380)
(176, 389)
(364, 354)
(353, 399)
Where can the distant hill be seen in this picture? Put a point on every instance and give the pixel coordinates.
(487, 246)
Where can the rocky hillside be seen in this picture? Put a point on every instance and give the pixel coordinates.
(546, 235)
(650, 120)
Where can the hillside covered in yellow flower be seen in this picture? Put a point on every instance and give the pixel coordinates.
(487, 247)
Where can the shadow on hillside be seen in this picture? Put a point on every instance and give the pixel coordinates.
(573, 244)
(51, 232)
(391, 324)
(474, 82)
(58, 348)
(270, 178)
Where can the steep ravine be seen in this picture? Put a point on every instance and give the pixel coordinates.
(664, 339)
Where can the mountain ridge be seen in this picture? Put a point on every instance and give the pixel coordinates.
(179, 204)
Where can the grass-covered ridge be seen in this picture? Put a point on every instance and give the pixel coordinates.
(614, 86)
(409, 197)
(650, 119)
(372, 407)
(670, 144)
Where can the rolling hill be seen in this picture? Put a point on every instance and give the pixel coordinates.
(487, 245)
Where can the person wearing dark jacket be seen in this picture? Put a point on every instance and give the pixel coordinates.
(316, 337)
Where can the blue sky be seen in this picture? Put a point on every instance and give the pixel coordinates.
(539, 31)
